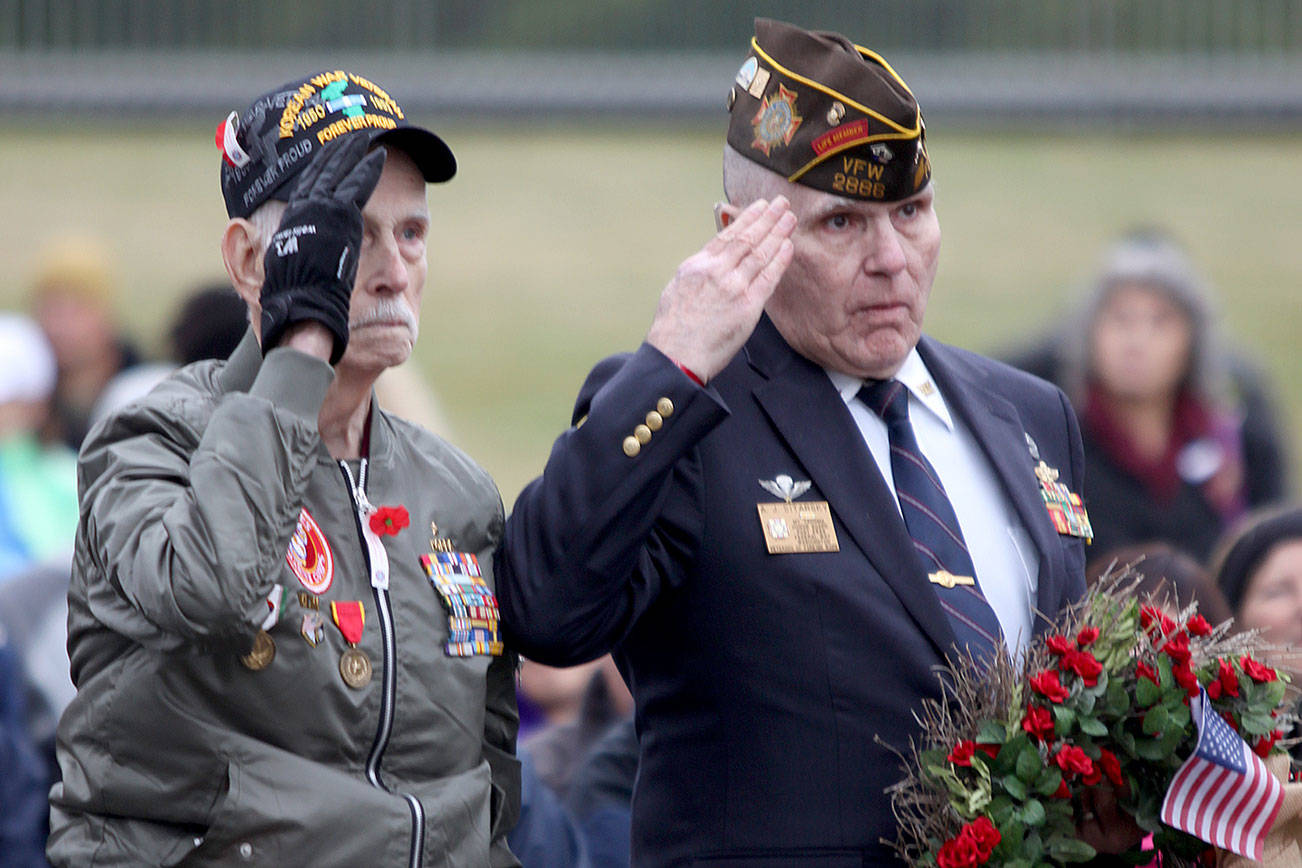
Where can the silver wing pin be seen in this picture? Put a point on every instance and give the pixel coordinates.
(785, 487)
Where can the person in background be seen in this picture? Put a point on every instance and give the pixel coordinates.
(72, 297)
(557, 749)
(1180, 438)
(209, 324)
(23, 785)
(38, 483)
(1258, 565)
(1171, 577)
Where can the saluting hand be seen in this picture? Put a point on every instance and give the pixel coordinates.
(716, 297)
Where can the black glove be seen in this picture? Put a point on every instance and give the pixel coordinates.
(311, 262)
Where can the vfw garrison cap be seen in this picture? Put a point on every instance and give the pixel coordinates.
(824, 112)
(266, 147)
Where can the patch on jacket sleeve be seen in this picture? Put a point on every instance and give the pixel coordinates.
(309, 555)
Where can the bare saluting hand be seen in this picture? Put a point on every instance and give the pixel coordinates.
(714, 301)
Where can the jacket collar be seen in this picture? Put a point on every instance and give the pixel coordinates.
(242, 367)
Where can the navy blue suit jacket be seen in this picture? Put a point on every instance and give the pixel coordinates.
(761, 681)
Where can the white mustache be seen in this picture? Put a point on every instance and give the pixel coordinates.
(386, 311)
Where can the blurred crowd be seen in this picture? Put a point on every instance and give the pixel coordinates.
(1186, 469)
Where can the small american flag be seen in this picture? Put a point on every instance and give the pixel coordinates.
(1223, 793)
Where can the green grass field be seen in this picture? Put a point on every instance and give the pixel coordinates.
(551, 245)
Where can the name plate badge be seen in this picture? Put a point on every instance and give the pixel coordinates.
(804, 526)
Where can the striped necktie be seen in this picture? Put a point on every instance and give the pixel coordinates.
(929, 516)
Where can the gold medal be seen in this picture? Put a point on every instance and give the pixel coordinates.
(261, 654)
(355, 667)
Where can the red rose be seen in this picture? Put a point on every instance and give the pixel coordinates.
(1266, 743)
(1086, 636)
(1074, 761)
(1185, 677)
(1038, 723)
(1059, 645)
(1047, 685)
(1177, 648)
(1084, 664)
(1150, 615)
(1228, 679)
(1214, 689)
(990, 750)
(1256, 671)
(388, 520)
(961, 755)
(1143, 670)
(960, 852)
(1199, 626)
(985, 834)
(1229, 718)
(1062, 792)
(1112, 768)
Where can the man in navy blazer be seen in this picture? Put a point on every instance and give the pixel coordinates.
(722, 514)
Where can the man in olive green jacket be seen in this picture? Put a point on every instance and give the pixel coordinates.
(282, 626)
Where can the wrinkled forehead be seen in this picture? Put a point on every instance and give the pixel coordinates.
(807, 201)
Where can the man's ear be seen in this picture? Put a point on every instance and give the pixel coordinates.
(242, 256)
(724, 214)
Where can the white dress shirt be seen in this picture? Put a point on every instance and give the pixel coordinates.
(1006, 562)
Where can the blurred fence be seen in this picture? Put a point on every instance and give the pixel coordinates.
(1139, 61)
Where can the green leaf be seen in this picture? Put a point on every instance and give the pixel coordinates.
(992, 732)
(1006, 762)
(1063, 718)
(1015, 787)
(1033, 846)
(1150, 749)
(1085, 702)
(1146, 692)
(1029, 764)
(1032, 813)
(1047, 783)
(1118, 701)
(1001, 809)
(1093, 726)
(1156, 720)
(1180, 717)
(1257, 722)
(1070, 850)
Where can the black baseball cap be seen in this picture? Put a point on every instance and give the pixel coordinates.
(266, 147)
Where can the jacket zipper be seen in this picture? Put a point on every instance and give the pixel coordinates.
(378, 568)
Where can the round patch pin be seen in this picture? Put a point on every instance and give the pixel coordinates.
(309, 555)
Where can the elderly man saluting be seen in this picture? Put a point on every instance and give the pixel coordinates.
(281, 623)
(788, 505)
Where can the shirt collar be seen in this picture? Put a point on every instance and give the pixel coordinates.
(915, 377)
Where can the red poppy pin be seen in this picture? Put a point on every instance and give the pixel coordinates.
(388, 520)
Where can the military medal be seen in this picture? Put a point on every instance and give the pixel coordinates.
(1065, 507)
(354, 665)
(275, 606)
(791, 528)
(470, 604)
(313, 629)
(261, 654)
